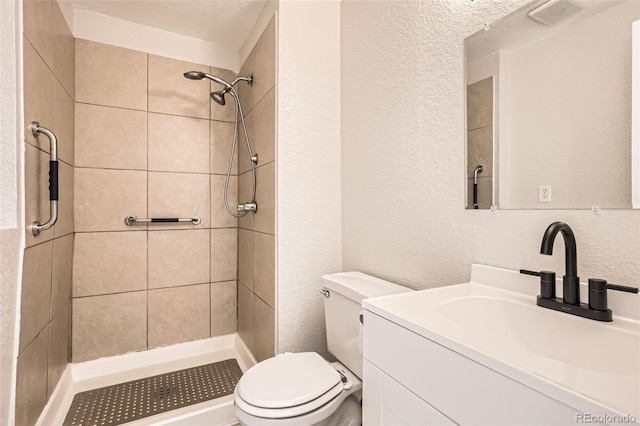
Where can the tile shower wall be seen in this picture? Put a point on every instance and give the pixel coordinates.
(45, 311)
(256, 233)
(480, 141)
(149, 143)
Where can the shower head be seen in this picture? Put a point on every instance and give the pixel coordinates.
(198, 75)
(219, 97)
(194, 75)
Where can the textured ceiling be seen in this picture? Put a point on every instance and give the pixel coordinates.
(226, 22)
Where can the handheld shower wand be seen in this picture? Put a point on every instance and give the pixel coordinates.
(252, 206)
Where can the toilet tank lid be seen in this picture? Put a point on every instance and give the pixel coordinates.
(357, 286)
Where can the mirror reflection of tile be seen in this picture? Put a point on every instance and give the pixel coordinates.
(480, 142)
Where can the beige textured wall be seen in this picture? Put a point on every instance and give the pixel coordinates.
(256, 234)
(46, 279)
(149, 143)
(403, 215)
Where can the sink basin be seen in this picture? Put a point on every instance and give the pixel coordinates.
(495, 321)
(565, 339)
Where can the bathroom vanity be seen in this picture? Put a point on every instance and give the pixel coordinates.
(483, 353)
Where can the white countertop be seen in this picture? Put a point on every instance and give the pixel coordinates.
(589, 365)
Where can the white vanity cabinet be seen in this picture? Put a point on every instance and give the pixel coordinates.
(411, 380)
(387, 402)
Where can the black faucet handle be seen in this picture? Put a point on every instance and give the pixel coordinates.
(547, 282)
(598, 292)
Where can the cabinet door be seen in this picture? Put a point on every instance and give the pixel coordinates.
(387, 402)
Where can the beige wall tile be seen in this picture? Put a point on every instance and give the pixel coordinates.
(226, 112)
(480, 104)
(178, 144)
(224, 308)
(63, 120)
(111, 76)
(245, 315)
(109, 262)
(178, 258)
(112, 138)
(58, 355)
(38, 27)
(38, 95)
(221, 142)
(179, 195)
(64, 225)
(109, 325)
(61, 274)
(245, 190)
(244, 90)
(244, 163)
(178, 315)
(220, 217)
(224, 254)
(245, 257)
(36, 194)
(480, 151)
(103, 198)
(63, 50)
(31, 388)
(263, 330)
(264, 275)
(264, 76)
(36, 291)
(171, 93)
(262, 131)
(265, 218)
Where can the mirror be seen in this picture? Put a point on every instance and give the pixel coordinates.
(549, 107)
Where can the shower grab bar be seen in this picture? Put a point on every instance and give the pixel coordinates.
(36, 227)
(478, 169)
(132, 220)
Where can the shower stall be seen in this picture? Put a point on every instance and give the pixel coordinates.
(165, 230)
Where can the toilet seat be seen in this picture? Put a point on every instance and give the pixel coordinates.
(288, 385)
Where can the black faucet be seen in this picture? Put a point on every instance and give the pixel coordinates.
(570, 280)
(596, 309)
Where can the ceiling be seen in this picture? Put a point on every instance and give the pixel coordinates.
(226, 22)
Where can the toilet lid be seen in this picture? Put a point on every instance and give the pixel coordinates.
(289, 380)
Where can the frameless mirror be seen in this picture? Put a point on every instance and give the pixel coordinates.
(549, 93)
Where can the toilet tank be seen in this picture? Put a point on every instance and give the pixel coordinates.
(342, 310)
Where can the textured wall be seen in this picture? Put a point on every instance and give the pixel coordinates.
(403, 158)
(11, 165)
(308, 178)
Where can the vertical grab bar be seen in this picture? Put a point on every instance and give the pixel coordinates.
(478, 169)
(36, 227)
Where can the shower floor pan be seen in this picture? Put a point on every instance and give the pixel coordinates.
(177, 385)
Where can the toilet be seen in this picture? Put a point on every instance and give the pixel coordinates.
(303, 389)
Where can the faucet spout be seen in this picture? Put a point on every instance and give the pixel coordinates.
(571, 282)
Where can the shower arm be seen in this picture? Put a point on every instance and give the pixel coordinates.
(247, 79)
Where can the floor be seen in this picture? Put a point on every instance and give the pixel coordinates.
(122, 368)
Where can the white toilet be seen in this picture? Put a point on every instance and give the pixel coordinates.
(303, 389)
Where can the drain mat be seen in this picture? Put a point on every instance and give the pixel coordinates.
(125, 402)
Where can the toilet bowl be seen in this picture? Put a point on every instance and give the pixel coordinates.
(303, 389)
(298, 389)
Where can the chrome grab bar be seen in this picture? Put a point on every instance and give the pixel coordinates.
(132, 220)
(36, 227)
